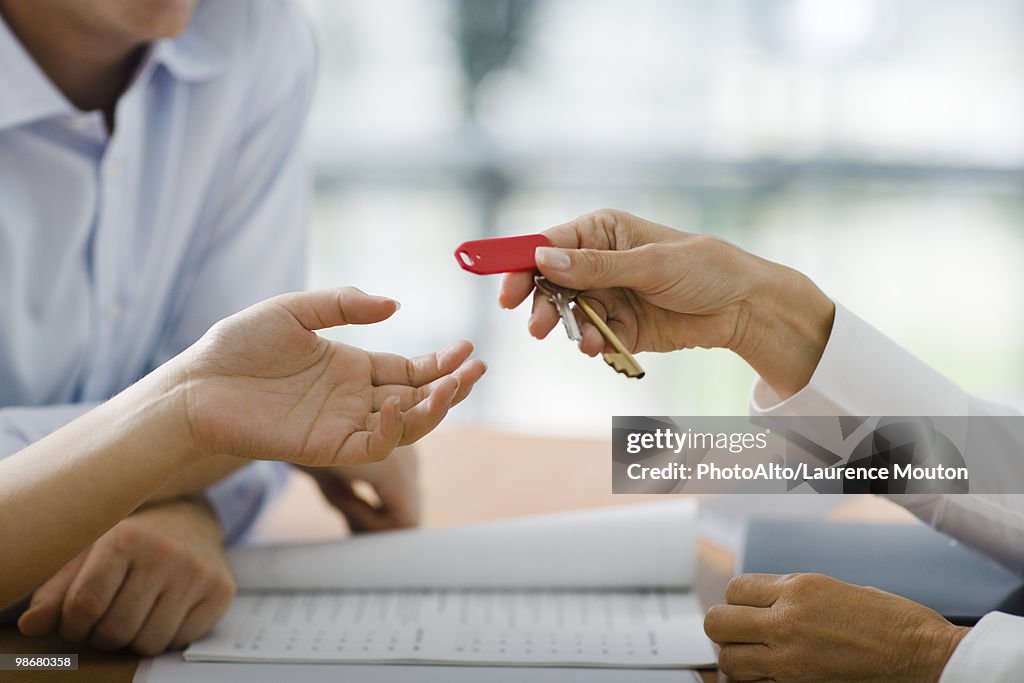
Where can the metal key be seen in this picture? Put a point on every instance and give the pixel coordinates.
(561, 297)
(621, 360)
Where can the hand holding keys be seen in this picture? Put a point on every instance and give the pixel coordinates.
(512, 254)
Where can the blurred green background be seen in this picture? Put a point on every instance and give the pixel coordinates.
(876, 145)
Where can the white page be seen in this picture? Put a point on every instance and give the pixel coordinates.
(171, 668)
(645, 545)
(633, 629)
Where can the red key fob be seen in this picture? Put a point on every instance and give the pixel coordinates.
(501, 254)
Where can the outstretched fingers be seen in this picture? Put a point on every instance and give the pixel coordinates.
(382, 436)
(388, 368)
(422, 418)
(468, 374)
(403, 414)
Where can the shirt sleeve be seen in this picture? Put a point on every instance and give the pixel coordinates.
(993, 651)
(863, 372)
(255, 247)
(20, 427)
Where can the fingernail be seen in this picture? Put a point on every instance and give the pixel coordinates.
(553, 259)
(398, 305)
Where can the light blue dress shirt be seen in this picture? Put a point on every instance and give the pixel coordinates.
(118, 251)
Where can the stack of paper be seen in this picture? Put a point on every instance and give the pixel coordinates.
(605, 588)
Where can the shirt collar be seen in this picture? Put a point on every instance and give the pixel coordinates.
(29, 94)
(189, 57)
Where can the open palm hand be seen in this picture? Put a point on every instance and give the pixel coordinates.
(262, 384)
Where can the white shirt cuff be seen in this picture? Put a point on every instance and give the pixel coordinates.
(863, 372)
(993, 652)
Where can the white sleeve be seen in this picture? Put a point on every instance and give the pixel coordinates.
(993, 651)
(862, 372)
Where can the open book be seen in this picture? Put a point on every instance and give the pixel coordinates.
(604, 588)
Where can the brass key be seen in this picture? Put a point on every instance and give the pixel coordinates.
(621, 360)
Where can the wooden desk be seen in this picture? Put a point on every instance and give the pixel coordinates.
(467, 475)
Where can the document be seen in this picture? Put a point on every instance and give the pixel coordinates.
(601, 588)
(171, 668)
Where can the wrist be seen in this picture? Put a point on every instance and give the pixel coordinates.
(156, 407)
(936, 648)
(790, 321)
(203, 516)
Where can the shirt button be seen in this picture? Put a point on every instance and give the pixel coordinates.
(113, 310)
(115, 171)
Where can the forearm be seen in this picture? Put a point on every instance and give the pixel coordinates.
(199, 477)
(20, 427)
(111, 460)
(23, 425)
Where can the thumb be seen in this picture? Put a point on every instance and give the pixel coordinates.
(43, 613)
(323, 308)
(594, 268)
